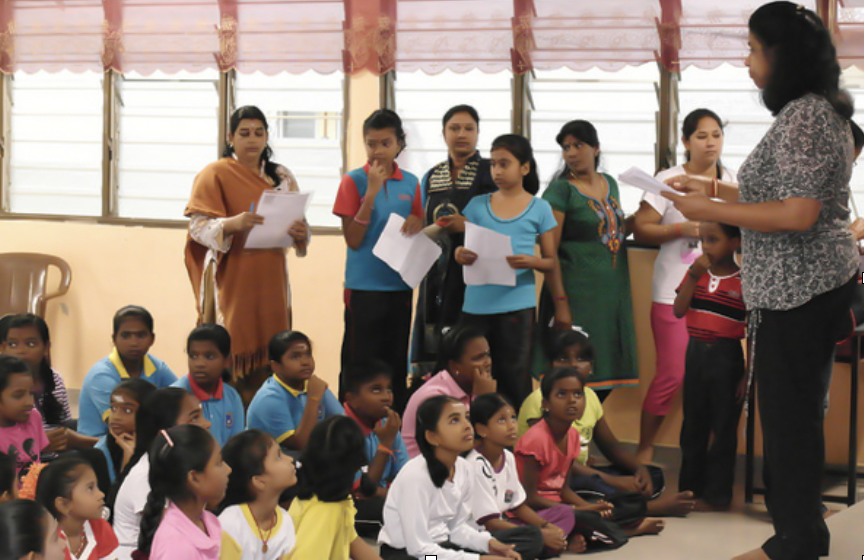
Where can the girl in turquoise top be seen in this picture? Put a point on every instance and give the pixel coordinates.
(505, 314)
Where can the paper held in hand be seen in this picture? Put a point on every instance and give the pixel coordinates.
(491, 266)
(411, 257)
(641, 180)
(280, 210)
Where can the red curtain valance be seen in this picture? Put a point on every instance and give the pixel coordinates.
(380, 35)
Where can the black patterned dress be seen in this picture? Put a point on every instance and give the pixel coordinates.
(439, 304)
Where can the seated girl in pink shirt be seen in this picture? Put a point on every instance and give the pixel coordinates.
(464, 372)
(22, 436)
(186, 473)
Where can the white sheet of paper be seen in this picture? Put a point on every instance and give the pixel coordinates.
(280, 211)
(641, 180)
(491, 266)
(411, 257)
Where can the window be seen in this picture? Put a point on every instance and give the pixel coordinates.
(304, 112)
(422, 99)
(168, 133)
(729, 92)
(56, 143)
(622, 106)
(853, 80)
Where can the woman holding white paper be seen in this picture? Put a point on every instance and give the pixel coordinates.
(800, 259)
(245, 290)
(658, 222)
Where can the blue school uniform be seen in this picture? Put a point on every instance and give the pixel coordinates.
(400, 195)
(277, 408)
(523, 231)
(223, 408)
(396, 461)
(95, 400)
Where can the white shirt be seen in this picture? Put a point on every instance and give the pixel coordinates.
(494, 492)
(238, 522)
(131, 499)
(418, 516)
(678, 254)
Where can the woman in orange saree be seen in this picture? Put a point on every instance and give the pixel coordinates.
(246, 290)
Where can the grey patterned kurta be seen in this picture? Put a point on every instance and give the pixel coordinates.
(806, 153)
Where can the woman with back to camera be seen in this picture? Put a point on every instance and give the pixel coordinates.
(800, 259)
(246, 290)
(658, 222)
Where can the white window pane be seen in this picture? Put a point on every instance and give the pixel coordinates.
(168, 133)
(853, 80)
(621, 105)
(422, 99)
(56, 149)
(304, 113)
(729, 92)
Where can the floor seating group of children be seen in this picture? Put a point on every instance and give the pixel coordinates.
(162, 467)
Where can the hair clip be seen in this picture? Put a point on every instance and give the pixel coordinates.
(577, 328)
(167, 438)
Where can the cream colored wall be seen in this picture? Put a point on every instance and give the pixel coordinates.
(115, 265)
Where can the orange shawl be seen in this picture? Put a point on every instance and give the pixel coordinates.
(252, 285)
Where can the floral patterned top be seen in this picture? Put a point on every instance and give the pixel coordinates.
(806, 153)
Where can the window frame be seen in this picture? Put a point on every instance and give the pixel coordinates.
(110, 148)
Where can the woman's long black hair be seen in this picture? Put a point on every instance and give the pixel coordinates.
(254, 113)
(802, 57)
(428, 415)
(189, 449)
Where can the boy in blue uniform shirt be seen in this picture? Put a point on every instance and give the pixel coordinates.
(133, 336)
(209, 350)
(368, 400)
(293, 400)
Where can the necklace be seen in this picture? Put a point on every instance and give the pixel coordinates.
(261, 533)
(82, 544)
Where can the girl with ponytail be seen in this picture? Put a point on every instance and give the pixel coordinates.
(419, 518)
(505, 313)
(186, 473)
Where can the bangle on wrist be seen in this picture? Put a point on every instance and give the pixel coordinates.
(361, 222)
(678, 230)
(386, 450)
(716, 184)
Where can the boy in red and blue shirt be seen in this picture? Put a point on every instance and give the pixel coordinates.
(710, 297)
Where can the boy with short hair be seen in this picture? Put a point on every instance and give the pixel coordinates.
(368, 400)
(133, 336)
(293, 400)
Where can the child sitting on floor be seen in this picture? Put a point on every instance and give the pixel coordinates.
(133, 336)
(293, 400)
(369, 401)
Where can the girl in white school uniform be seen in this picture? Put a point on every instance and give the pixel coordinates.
(427, 511)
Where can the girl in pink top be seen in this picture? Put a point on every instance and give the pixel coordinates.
(545, 454)
(465, 372)
(22, 436)
(187, 472)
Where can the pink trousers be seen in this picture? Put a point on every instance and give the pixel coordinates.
(670, 343)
